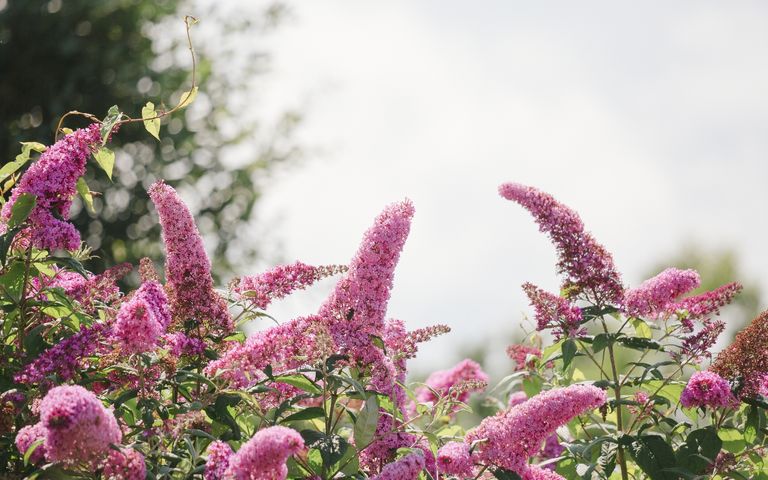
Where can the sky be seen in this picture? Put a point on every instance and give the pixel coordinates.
(648, 118)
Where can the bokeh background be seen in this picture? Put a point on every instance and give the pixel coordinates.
(650, 119)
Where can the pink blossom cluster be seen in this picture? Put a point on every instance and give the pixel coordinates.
(587, 265)
(263, 457)
(188, 269)
(27, 436)
(523, 356)
(454, 458)
(65, 358)
(78, 429)
(655, 296)
(514, 435)
(125, 464)
(552, 447)
(179, 343)
(555, 312)
(279, 282)
(219, 454)
(707, 389)
(356, 309)
(533, 472)
(53, 180)
(389, 439)
(142, 320)
(700, 306)
(407, 468)
(697, 345)
(443, 382)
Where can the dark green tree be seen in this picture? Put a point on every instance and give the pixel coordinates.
(87, 55)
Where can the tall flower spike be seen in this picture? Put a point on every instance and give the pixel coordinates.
(516, 434)
(700, 306)
(745, 359)
(53, 180)
(587, 265)
(263, 457)
(188, 269)
(78, 427)
(356, 308)
(654, 296)
(279, 282)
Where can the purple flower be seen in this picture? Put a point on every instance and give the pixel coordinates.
(707, 389)
(125, 464)
(188, 269)
(587, 265)
(654, 296)
(279, 282)
(53, 179)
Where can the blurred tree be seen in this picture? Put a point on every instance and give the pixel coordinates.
(87, 55)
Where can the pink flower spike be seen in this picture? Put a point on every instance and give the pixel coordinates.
(450, 381)
(29, 435)
(78, 427)
(699, 306)
(407, 468)
(259, 290)
(512, 436)
(219, 454)
(533, 472)
(587, 265)
(654, 296)
(454, 458)
(263, 457)
(555, 312)
(188, 269)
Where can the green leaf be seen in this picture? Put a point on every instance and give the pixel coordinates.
(601, 342)
(365, 424)
(31, 449)
(752, 425)
(639, 343)
(654, 455)
(113, 116)
(699, 450)
(569, 352)
(641, 328)
(85, 193)
(503, 474)
(6, 240)
(106, 160)
(187, 98)
(71, 263)
(550, 350)
(300, 381)
(151, 124)
(21, 159)
(532, 385)
(21, 209)
(200, 433)
(306, 414)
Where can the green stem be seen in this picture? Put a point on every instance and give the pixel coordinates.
(617, 397)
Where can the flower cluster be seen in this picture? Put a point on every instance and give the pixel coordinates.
(52, 179)
(260, 290)
(745, 358)
(444, 382)
(188, 269)
(262, 457)
(707, 389)
(406, 468)
(554, 312)
(125, 464)
(454, 458)
(587, 265)
(654, 296)
(514, 435)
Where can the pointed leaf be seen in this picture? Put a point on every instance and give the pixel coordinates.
(367, 420)
(85, 193)
(106, 160)
(151, 123)
(113, 116)
(21, 209)
(187, 98)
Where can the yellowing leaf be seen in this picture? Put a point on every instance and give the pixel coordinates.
(85, 192)
(187, 98)
(641, 328)
(151, 123)
(106, 160)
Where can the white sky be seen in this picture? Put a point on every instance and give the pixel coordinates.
(650, 119)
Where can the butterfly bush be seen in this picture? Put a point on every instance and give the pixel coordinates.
(178, 378)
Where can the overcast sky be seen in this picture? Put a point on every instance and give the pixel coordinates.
(649, 118)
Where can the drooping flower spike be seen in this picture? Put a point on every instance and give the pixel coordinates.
(554, 312)
(587, 265)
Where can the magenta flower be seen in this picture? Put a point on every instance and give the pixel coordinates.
(516, 398)
(78, 427)
(406, 468)
(533, 472)
(125, 464)
(355, 310)
(524, 356)
(188, 269)
(263, 457)
(136, 327)
(707, 389)
(445, 382)
(700, 306)
(279, 282)
(454, 458)
(53, 179)
(698, 345)
(654, 296)
(65, 358)
(516, 434)
(587, 265)
(555, 312)
(29, 435)
(179, 344)
(219, 454)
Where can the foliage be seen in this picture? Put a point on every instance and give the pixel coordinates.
(91, 55)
